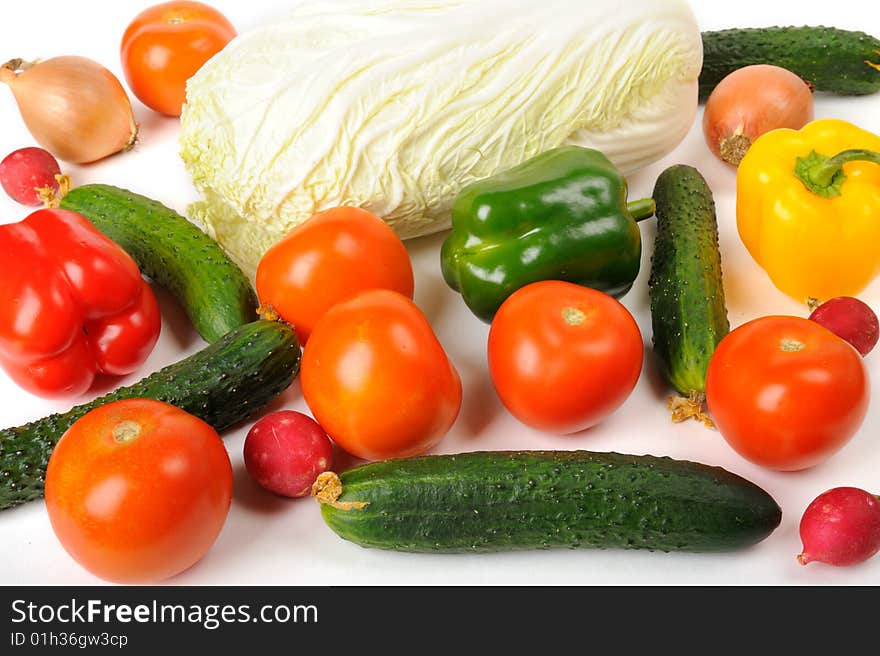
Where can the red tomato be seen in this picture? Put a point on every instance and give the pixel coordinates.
(376, 378)
(167, 44)
(138, 490)
(330, 258)
(785, 392)
(563, 357)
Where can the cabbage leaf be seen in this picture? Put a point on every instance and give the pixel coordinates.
(395, 105)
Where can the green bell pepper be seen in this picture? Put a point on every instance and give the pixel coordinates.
(562, 215)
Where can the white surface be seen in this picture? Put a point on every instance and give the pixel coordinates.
(270, 540)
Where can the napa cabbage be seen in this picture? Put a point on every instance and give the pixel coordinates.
(395, 105)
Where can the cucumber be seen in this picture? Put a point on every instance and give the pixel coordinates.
(222, 384)
(832, 60)
(500, 501)
(688, 311)
(173, 252)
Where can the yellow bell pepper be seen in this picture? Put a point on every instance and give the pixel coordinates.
(808, 208)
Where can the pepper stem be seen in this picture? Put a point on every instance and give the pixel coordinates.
(641, 209)
(824, 176)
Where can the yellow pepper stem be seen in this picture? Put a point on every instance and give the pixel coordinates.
(824, 175)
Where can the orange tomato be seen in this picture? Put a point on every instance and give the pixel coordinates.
(331, 258)
(563, 357)
(138, 490)
(377, 379)
(166, 45)
(785, 392)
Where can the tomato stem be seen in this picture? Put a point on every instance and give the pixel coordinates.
(126, 431)
(573, 316)
(791, 345)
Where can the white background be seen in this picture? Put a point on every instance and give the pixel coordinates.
(271, 540)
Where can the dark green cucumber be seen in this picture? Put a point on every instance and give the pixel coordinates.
(832, 60)
(172, 251)
(224, 383)
(688, 312)
(479, 502)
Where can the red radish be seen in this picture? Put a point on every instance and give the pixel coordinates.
(850, 319)
(751, 101)
(841, 527)
(27, 170)
(285, 451)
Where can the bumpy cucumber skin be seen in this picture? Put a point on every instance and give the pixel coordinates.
(831, 59)
(502, 501)
(173, 252)
(222, 384)
(688, 310)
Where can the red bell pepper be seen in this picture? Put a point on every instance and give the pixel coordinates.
(72, 304)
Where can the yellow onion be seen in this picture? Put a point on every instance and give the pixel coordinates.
(74, 107)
